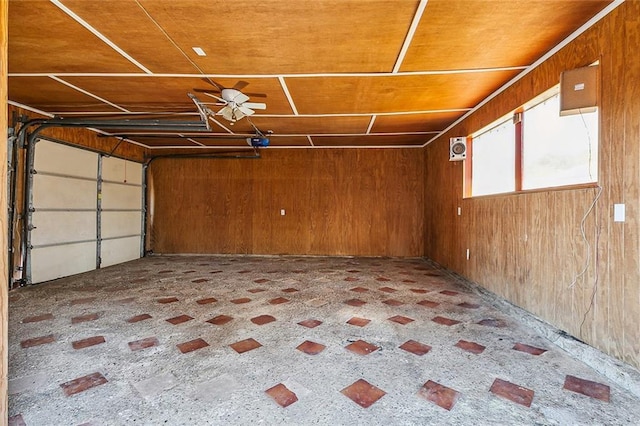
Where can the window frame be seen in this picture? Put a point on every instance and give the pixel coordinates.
(518, 116)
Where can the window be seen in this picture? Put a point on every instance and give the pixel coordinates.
(558, 151)
(541, 150)
(493, 159)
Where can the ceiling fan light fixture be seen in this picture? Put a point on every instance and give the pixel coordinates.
(199, 51)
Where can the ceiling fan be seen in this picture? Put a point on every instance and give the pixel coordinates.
(235, 105)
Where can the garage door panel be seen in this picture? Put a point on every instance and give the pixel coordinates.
(115, 196)
(54, 192)
(117, 170)
(119, 224)
(49, 263)
(63, 227)
(66, 217)
(53, 157)
(120, 250)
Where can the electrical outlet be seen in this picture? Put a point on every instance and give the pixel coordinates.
(282, 212)
(468, 254)
(619, 213)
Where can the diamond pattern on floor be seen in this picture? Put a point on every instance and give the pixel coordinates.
(179, 319)
(401, 319)
(491, 322)
(361, 347)
(206, 301)
(38, 318)
(310, 348)
(440, 395)
(84, 318)
(358, 322)
(587, 387)
(37, 341)
(143, 343)
(89, 341)
(521, 347)
(512, 392)
(445, 321)
(138, 318)
(363, 393)
(83, 383)
(192, 345)
(282, 395)
(220, 320)
(263, 319)
(314, 345)
(16, 420)
(310, 323)
(415, 348)
(245, 345)
(473, 347)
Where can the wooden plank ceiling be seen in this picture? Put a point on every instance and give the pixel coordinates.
(359, 73)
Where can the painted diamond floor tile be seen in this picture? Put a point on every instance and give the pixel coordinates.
(356, 341)
(245, 345)
(310, 348)
(358, 322)
(138, 318)
(192, 345)
(38, 318)
(83, 383)
(361, 347)
(363, 393)
(415, 348)
(37, 341)
(145, 343)
(587, 387)
(511, 391)
(179, 319)
(310, 323)
(281, 395)
(399, 319)
(263, 319)
(473, 347)
(88, 342)
(521, 347)
(439, 394)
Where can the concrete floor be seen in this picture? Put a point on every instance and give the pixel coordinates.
(285, 340)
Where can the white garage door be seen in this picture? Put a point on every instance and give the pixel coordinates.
(76, 228)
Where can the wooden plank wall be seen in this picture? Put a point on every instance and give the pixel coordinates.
(4, 268)
(528, 248)
(364, 202)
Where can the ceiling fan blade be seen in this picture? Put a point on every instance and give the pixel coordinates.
(219, 99)
(257, 95)
(240, 85)
(245, 110)
(240, 98)
(195, 89)
(255, 105)
(213, 83)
